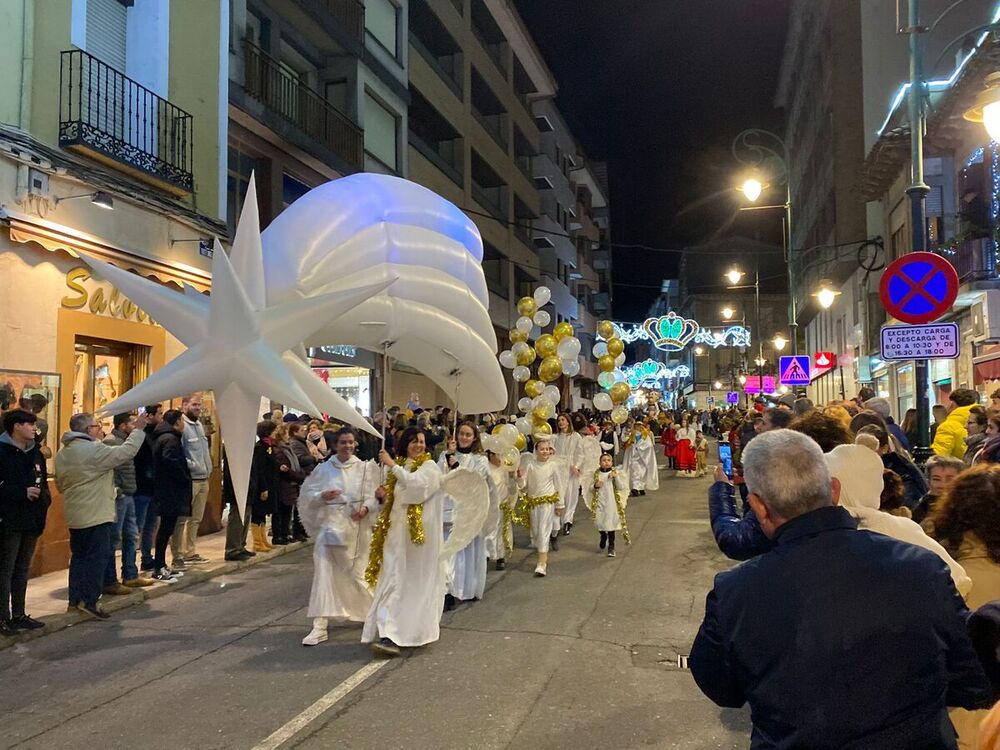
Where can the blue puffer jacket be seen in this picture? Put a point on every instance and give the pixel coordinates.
(739, 538)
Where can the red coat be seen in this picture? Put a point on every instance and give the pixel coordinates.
(668, 439)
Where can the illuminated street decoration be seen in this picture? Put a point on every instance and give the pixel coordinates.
(672, 333)
(652, 374)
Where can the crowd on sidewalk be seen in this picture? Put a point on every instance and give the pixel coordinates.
(886, 577)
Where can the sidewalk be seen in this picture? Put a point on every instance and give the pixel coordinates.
(48, 594)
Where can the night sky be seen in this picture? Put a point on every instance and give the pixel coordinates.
(659, 88)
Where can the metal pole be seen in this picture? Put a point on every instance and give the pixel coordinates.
(760, 342)
(787, 237)
(917, 192)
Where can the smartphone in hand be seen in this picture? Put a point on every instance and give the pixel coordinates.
(726, 458)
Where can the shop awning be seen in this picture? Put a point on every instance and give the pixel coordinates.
(985, 367)
(54, 239)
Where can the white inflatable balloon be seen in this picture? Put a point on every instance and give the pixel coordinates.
(519, 348)
(542, 319)
(619, 415)
(600, 349)
(618, 375)
(542, 296)
(521, 373)
(606, 379)
(523, 426)
(571, 367)
(552, 393)
(603, 402)
(568, 348)
(524, 404)
(507, 359)
(620, 360)
(523, 324)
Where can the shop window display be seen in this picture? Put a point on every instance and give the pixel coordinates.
(37, 392)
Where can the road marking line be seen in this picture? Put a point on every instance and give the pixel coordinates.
(317, 709)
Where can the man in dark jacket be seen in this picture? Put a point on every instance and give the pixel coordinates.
(126, 529)
(24, 502)
(146, 515)
(172, 491)
(837, 638)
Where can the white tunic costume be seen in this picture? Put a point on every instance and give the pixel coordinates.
(465, 572)
(543, 479)
(570, 447)
(606, 516)
(409, 594)
(340, 551)
(640, 458)
(502, 534)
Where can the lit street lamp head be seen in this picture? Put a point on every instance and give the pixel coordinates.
(986, 108)
(752, 189)
(698, 351)
(734, 276)
(779, 342)
(743, 379)
(728, 313)
(826, 294)
(718, 385)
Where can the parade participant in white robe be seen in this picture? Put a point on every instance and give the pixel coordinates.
(465, 572)
(640, 459)
(500, 540)
(568, 444)
(405, 568)
(542, 482)
(609, 497)
(336, 503)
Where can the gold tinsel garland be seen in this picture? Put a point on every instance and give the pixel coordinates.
(380, 529)
(618, 503)
(508, 519)
(526, 504)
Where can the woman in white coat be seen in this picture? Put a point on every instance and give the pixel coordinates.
(336, 503)
(466, 571)
(568, 444)
(404, 566)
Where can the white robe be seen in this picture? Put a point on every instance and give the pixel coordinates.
(465, 571)
(606, 516)
(640, 458)
(500, 483)
(339, 591)
(409, 595)
(542, 480)
(570, 447)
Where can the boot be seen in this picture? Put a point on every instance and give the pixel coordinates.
(554, 542)
(260, 543)
(318, 633)
(543, 561)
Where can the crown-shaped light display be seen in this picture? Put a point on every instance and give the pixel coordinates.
(671, 332)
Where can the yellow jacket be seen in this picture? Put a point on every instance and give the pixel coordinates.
(949, 440)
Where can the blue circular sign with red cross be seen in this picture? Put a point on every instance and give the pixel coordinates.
(918, 287)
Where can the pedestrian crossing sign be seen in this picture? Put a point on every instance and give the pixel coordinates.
(794, 370)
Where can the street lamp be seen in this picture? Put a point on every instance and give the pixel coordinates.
(826, 295)
(743, 379)
(718, 385)
(752, 189)
(734, 275)
(986, 108)
(698, 351)
(779, 342)
(728, 312)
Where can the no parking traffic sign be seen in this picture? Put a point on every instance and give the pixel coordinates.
(918, 287)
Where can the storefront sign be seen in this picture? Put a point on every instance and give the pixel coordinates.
(935, 341)
(823, 362)
(99, 300)
(753, 384)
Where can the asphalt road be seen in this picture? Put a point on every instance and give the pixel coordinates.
(585, 658)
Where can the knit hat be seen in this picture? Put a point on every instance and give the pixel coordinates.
(880, 406)
(290, 417)
(859, 470)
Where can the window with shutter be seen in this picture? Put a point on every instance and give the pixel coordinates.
(106, 22)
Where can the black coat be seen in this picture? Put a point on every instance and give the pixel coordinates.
(172, 489)
(143, 462)
(839, 638)
(263, 478)
(20, 470)
(290, 477)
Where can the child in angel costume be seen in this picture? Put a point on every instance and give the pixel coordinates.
(568, 444)
(640, 460)
(542, 482)
(608, 499)
(466, 570)
(406, 566)
(500, 538)
(337, 503)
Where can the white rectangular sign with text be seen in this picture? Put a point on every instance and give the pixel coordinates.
(931, 341)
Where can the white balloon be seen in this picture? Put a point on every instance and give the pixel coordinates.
(571, 367)
(552, 393)
(542, 296)
(489, 443)
(523, 324)
(524, 404)
(511, 458)
(606, 379)
(507, 359)
(618, 375)
(542, 319)
(521, 374)
(523, 426)
(600, 349)
(546, 407)
(568, 348)
(507, 434)
(620, 360)
(619, 415)
(603, 402)
(520, 348)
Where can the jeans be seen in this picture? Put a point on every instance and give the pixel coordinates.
(124, 535)
(167, 526)
(145, 519)
(90, 549)
(16, 549)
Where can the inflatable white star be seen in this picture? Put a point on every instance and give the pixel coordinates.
(238, 348)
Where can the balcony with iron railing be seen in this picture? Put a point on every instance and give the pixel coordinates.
(283, 94)
(974, 260)
(108, 117)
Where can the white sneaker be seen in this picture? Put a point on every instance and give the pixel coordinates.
(540, 571)
(316, 636)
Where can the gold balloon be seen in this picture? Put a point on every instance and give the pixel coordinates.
(526, 357)
(515, 335)
(619, 392)
(521, 443)
(551, 368)
(527, 306)
(496, 430)
(541, 413)
(545, 345)
(606, 363)
(534, 388)
(615, 347)
(562, 330)
(541, 428)
(606, 329)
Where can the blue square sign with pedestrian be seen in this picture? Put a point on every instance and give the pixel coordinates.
(794, 370)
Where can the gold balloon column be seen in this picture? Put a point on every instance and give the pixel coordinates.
(553, 355)
(610, 354)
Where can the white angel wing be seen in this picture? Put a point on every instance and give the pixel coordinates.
(591, 457)
(493, 512)
(472, 504)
